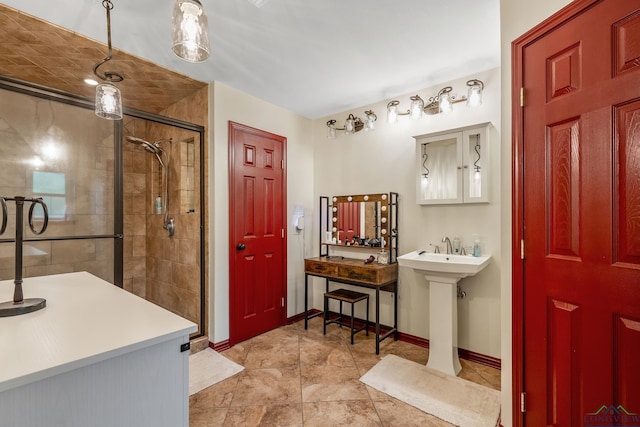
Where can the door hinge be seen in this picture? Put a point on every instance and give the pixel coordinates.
(522, 249)
(523, 397)
(282, 302)
(522, 97)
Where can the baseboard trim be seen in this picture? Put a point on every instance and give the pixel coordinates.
(300, 316)
(220, 346)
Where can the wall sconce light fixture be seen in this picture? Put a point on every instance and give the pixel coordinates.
(190, 31)
(441, 103)
(425, 169)
(108, 97)
(352, 124)
(476, 166)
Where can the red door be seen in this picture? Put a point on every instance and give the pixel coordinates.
(257, 235)
(579, 166)
(348, 221)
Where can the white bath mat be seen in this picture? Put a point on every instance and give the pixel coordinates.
(208, 367)
(449, 398)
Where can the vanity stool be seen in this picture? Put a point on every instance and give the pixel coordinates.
(352, 297)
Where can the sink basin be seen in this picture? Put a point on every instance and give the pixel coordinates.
(458, 266)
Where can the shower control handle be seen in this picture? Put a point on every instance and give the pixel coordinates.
(240, 246)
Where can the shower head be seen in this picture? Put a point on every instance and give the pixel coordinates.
(146, 145)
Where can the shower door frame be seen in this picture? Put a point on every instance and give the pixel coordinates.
(43, 92)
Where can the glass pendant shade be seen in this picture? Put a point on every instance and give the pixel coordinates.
(392, 113)
(349, 126)
(331, 131)
(416, 108)
(108, 102)
(190, 35)
(370, 123)
(445, 105)
(474, 96)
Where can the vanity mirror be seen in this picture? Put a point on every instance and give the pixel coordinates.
(362, 221)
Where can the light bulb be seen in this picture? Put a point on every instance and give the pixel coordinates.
(477, 175)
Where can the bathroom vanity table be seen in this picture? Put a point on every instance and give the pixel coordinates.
(358, 224)
(355, 272)
(96, 355)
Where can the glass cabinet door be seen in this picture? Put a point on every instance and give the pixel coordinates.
(453, 166)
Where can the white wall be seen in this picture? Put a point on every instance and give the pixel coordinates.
(227, 104)
(517, 17)
(385, 160)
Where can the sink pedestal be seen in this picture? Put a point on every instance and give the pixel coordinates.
(443, 325)
(443, 271)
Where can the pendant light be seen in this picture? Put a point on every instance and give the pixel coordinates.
(108, 98)
(190, 31)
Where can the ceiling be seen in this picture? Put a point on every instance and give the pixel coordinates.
(313, 57)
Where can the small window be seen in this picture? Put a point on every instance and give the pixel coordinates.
(51, 186)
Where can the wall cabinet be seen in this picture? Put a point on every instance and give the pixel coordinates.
(453, 166)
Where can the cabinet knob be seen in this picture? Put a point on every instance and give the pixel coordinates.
(241, 247)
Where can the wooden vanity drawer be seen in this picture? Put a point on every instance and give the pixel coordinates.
(313, 266)
(352, 269)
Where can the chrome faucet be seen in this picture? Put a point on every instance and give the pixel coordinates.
(446, 240)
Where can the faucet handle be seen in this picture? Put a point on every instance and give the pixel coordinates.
(436, 248)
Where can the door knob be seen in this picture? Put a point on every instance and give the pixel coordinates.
(240, 246)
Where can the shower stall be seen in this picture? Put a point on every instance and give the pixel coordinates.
(125, 198)
(163, 221)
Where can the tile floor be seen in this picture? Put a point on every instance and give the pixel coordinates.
(294, 377)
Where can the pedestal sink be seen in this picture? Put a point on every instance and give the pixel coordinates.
(443, 272)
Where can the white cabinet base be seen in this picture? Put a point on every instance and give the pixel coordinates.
(142, 388)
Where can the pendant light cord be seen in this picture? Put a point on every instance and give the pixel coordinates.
(109, 76)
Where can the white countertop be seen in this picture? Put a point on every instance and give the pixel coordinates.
(86, 320)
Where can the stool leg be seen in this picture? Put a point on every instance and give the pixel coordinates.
(352, 317)
(326, 316)
(367, 328)
(340, 314)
